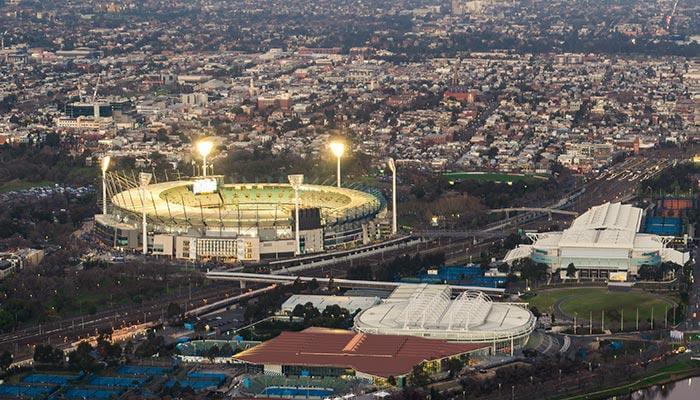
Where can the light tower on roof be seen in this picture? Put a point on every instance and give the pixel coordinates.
(144, 180)
(204, 148)
(296, 181)
(104, 165)
(338, 149)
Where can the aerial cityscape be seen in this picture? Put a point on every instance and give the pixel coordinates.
(349, 199)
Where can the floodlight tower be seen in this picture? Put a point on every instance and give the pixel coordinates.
(296, 181)
(392, 166)
(144, 180)
(338, 148)
(104, 164)
(204, 147)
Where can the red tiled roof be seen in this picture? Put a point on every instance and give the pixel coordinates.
(377, 355)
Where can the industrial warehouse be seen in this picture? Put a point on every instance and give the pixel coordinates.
(203, 218)
(430, 311)
(604, 242)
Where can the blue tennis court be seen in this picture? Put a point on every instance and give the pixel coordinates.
(279, 391)
(211, 376)
(139, 370)
(60, 380)
(91, 394)
(193, 384)
(112, 381)
(25, 391)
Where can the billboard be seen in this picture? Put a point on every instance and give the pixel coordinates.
(204, 186)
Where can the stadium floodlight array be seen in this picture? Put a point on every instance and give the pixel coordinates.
(392, 166)
(296, 181)
(104, 165)
(204, 148)
(338, 149)
(144, 180)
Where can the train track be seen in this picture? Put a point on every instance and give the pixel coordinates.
(69, 330)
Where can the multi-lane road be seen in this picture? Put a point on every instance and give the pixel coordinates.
(692, 321)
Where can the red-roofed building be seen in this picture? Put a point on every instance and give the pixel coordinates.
(330, 352)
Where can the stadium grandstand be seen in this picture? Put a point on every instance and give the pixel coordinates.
(430, 311)
(203, 218)
(603, 241)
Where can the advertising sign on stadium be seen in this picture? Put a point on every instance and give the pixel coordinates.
(618, 276)
(204, 186)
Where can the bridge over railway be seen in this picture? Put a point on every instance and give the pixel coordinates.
(244, 277)
(549, 211)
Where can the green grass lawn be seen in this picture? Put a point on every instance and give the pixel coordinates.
(495, 177)
(21, 185)
(664, 374)
(586, 300)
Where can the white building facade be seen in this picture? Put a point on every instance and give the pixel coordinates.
(602, 241)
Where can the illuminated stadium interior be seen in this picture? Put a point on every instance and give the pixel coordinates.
(258, 204)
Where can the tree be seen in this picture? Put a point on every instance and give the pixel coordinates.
(454, 365)
(110, 352)
(226, 350)
(213, 352)
(46, 354)
(5, 360)
(571, 270)
(173, 310)
(313, 285)
(81, 358)
(391, 380)
(418, 376)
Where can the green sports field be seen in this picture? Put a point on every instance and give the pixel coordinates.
(584, 301)
(495, 177)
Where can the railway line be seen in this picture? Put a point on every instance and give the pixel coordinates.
(69, 330)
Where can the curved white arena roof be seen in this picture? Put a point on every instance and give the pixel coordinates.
(605, 232)
(616, 216)
(429, 311)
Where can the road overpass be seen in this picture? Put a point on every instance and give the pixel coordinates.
(244, 277)
(548, 211)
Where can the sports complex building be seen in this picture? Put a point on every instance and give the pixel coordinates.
(203, 218)
(321, 353)
(604, 242)
(430, 311)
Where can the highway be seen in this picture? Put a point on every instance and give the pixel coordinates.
(692, 321)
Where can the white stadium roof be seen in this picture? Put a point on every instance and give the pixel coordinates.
(607, 231)
(429, 311)
(350, 303)
(615, 216)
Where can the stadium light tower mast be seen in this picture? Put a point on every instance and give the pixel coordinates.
(204, 148)
(144, 180)
(104, 165)
(296, 181)
(338, 148)
(392, 166)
